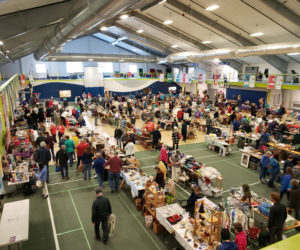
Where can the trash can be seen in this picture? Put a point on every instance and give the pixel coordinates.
(149, 221)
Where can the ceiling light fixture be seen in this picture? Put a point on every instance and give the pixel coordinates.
(124, 16)
(293, 54)
(168, 22)
(139, 31)
(206, 42)
(163, 1)
(212, 7)
(91, 59)
(53, 59)
(133, 49)
(174, 46)
(257, 34)
(1, 43)
(216, 60)
(122, 38)
(121, 60)
(103, 28)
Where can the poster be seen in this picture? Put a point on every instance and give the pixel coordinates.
(216, 79)
(183, 78)
(271, 82)
(278, 82)
(169, 77)
(200, 79)
(161, 77)
(246, 81)
(252, 81)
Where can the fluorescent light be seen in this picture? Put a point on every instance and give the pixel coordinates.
(124, 16)
(206, 42)
(139, 31)
(174, 46)
(133, 49)
(217, 60)
(163, 1)
(168, 22)
(257, 34)
(115, 43)
(293, 54)
(91, 59)
(121, 60)
(122, 38)
(53, 59)
(103, 28)
(1, 43)
(212, 7)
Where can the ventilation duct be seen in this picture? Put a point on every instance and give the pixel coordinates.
(268, 49)
(96, 12)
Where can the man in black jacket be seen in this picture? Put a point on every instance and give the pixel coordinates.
(294, 201)
(156, 138)
(101, 210)
(184, 130)
(42, 155)
(277, 218)
(62, 162)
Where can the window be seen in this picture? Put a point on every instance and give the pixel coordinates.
(40, 68)
(132, 68)
(105, 67)
(74, 67)
(191, 70)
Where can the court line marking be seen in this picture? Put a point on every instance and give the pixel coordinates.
(52, 220)
(73, 189)
(70, 231)
(58, 183)
(136, 219)
(84, 233)
(252, 184)
(59, 172)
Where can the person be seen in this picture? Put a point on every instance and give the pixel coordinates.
(42, 128)
(149, 125)
(61, 131)
(246, 191)
(70, 147)
(226, 243)
(62, 141)
(164, 154)
(62, 162)
(288, 163)
(274, 169)
(132, 119)
(235, 125)
(296, 171)
(75, 139)
(39, 139)
(96, 115)
(175, 161)
(129, 148)
(87, 159)
(159, 177)
(101, 209)
(240, 236)
(43, 156)
(294, 201)
(81, 147)
(195, 195)
(156, 138)
(184, 130)
(285, 183)
(50, 144)
(264, 138)
(123, 123)
(264, 161)
(281, 130)
(118, 136)
(277, 217)
(209, 124)
(41, 175)
(99, 168)
(115, 164)
(53, 132)
(175, 138)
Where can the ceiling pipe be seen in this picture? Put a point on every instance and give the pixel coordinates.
(101, 58)
(94, 14)
(226, 53)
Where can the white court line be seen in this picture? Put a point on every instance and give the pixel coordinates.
(182, 188)
(58, 183)
(59, 172)
(52, 220)
(252, 184)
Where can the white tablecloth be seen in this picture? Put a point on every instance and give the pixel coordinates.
(137, 184)
(215, 141)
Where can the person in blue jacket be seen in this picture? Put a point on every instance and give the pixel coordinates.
(226, 243)
(41, 175)
(288, 163)
(236, 125)
(285, 183)
(99, 168)
(264, 161)
(274, 169)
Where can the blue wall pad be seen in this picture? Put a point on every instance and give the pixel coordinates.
(95, 91)
(251, 95)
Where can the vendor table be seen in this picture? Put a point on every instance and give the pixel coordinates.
(274, 145)
(215, 141)
(135, 181)
(14, 225)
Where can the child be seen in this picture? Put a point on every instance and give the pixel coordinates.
(240, 236)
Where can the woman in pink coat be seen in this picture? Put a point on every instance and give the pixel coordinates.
(164, 155)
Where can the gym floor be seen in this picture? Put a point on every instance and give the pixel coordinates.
(70, 202)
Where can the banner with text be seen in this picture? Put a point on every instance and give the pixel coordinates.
(271, 82)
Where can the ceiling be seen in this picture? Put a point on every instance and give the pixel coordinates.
(24, 25)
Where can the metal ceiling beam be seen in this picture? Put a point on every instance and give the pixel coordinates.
(275, 61)
(283, 11)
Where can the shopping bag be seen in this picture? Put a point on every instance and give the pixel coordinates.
(80, 167)
(57, 168)
(179, 136)
(38, 184)
(112, 225)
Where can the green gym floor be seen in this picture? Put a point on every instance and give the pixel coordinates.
(71, 200)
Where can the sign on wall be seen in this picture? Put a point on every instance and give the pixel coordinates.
(161, 77)
(271, 82)
(279, 81)
(252, 81)
(201, 79)
(216, 79)
(246, 81)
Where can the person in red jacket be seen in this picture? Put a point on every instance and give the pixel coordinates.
(149, 126)
(240, 236)
(179, 115)
(115, 164)
(81, 147)
(61, 131)
(53, 131)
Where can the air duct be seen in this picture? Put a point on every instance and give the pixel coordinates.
(101, 58)
(268, 49)
(95, 13)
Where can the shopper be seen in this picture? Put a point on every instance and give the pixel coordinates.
(288, 163)
(70, 148)
(240, 236)
(101, 210)
(285, 183)
(164, 154)
(62, 162)
(129, 148)
(294, 201)
(99, 168)
(226, 243)
(115, 164)
(209, 124)
(53, 132)
(61, 131)
(82, 146)
(184, 130)
(149, 125)
(39, 139)
(118, 136)
(175, 161)
(277, 217)
(175, 138)
(41, 175)
(264, 161)
(42, 155)
(87, 159)
(159, 178)
(296, 171)
(195, 195)
(50, 144)
(156, 137)
(123, 123)
(274, 169)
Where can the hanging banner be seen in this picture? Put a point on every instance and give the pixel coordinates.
(246, 81)
(271, 82)
(183, 78)
(216, 80)
(178, 78)
(161, 77)
(252, 81)
(278, 82)
(170, 78)
(200, 79)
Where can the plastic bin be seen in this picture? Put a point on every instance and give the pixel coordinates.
(149, 221)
